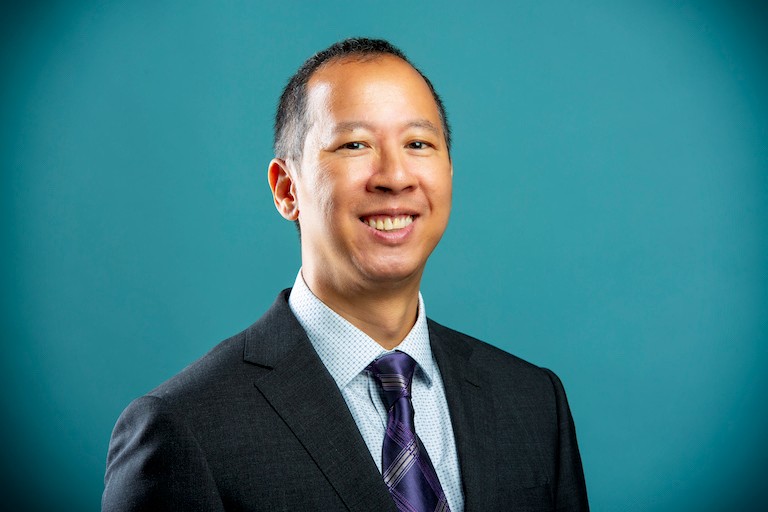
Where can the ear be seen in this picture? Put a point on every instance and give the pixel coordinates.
(283, 189)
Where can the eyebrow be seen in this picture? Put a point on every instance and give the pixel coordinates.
(350, 126)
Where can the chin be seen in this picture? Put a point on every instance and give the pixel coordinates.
(393, 273)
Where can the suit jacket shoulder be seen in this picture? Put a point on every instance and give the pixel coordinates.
(255, 424)
(513, 426)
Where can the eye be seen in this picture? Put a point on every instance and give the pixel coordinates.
(352, 145)
(418, 144)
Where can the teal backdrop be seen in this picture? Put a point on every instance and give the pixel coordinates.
(610, 218)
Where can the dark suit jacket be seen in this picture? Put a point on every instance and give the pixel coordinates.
(259, 424)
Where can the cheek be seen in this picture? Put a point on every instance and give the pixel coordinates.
(318, 193)
(324, 198)
(441, 192)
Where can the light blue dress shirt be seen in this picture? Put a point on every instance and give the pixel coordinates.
(345, 350)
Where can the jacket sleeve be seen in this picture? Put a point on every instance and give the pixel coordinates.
(570, 489)
(155, 462)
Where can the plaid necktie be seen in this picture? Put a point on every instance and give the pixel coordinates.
(406, 467)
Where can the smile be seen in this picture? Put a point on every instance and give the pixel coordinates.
(387, 223)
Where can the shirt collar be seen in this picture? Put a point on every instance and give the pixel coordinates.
(344, 349)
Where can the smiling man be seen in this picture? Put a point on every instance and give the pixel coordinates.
(371, 190)
(344, 396)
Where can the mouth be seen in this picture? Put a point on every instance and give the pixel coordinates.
(387, 222)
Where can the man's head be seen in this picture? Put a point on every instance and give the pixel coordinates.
(371, 186)
(291, 122)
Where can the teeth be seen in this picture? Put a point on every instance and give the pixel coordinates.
(390, 223)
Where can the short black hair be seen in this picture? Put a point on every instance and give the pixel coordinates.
(291, 124)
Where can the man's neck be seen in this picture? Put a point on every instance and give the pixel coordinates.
(386, 314)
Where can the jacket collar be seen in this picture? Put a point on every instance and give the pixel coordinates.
(304, 394)
(472, 414)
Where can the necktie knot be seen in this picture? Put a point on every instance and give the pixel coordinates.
(394, 372)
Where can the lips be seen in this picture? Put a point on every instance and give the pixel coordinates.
(387, 222)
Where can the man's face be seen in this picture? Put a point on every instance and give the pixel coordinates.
(373, 187)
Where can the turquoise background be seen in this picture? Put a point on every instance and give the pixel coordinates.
(610, 218)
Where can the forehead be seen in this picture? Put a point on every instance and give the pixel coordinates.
(359, 85)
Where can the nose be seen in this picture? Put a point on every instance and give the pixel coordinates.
(391, 173)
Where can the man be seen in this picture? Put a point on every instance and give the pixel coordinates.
(311, 408)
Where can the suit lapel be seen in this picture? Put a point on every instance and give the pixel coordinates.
(472, 416)
(304, 394)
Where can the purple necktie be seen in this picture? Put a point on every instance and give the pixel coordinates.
(406, 467)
